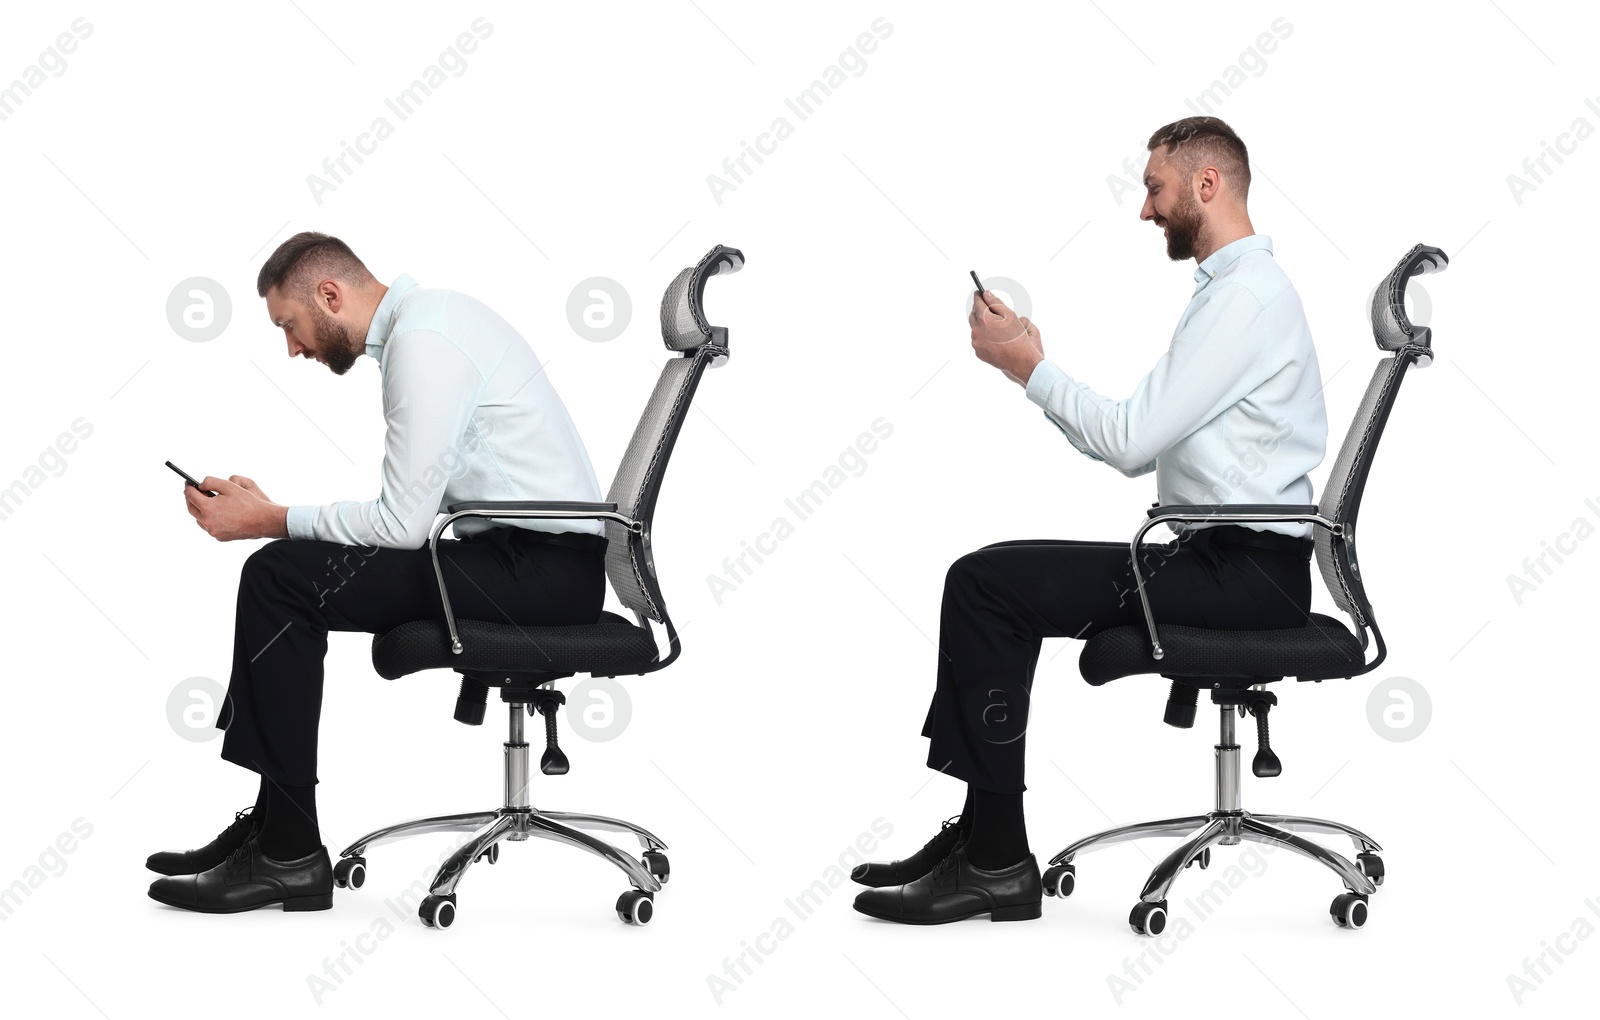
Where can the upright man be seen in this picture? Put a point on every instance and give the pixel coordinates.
(1231, 413)
(470, 415)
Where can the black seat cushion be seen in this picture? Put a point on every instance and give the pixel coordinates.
(1324, 648)
(609, 647)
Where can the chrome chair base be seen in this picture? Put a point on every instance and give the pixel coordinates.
(1209, 830)
(516, 824)
(516, 821)
(1229, 825)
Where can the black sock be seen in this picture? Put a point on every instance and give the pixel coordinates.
(966, 811)
(998, 837)
(290, 831)
(259, 815)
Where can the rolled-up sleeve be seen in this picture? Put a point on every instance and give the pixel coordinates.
(431, 389)
(1214, 361)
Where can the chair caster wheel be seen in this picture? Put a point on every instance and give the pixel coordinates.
(1059, 880)
(350, 873)
(1149, 919)
(1371, 865)
(635, 907)
(1349, 910)
(1203, 859)
(438, 911)
(658, 865)
(492, 855)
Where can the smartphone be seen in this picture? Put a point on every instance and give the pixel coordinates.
(186, 478)
(976, 282)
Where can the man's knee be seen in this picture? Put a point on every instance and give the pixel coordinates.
(299, 565)
(271, 556)
(966, 569)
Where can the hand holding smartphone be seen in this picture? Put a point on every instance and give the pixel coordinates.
(188, 479)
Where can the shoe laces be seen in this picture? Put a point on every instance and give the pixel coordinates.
(238, 819)
(945, 872)
(240, 856)
(941, 834)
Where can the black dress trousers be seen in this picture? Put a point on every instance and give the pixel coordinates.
(293, 592)
(1002, 600)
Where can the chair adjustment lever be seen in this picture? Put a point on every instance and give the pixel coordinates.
(1265, 764)
(549, 701)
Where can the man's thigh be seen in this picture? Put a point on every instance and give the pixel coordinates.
(371, 589)
(1061, 587)
(1078, 588)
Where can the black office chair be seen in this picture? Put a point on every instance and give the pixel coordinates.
(525, 662)
(1236, 665)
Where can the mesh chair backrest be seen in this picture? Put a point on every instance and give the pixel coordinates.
(638, 480)
(1341, 497)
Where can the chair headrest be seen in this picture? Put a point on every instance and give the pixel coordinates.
(1391, 328)
(683, 318)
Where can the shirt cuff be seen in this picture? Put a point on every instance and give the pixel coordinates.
(1042, 381)
(298, 522)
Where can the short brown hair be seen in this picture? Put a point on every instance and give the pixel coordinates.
(1206, 141)
(307, 258)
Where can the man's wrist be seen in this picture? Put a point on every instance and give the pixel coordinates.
(1029, 367)
(275, 521)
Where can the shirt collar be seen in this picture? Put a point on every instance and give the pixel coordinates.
(383, 318)
(1220, 259)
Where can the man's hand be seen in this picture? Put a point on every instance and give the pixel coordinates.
(1002, 339)
(238, 510)
(249, 485)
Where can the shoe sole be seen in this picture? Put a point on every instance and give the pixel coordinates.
(291, 904)
(1017, 912)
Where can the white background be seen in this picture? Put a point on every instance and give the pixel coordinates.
(177, 142)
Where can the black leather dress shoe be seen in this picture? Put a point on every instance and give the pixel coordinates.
(954, 891)
(885, 873)
(249, 879)
(191, 862)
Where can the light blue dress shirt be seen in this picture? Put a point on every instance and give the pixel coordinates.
(1231, 413)
(471, 415)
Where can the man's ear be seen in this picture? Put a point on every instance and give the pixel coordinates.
(330, 294)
